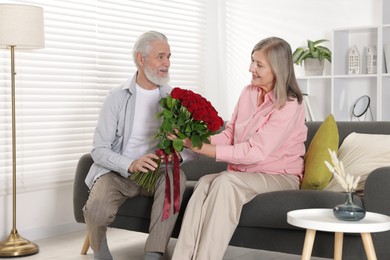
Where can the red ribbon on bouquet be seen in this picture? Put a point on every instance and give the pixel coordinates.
(176, 186)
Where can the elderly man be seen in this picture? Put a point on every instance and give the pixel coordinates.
(124, 143)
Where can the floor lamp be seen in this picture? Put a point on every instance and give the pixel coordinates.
(21, 27)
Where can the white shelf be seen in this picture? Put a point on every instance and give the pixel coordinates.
(336, 93)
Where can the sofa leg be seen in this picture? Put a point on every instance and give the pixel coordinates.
(86, 244)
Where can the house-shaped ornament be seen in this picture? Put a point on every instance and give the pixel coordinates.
(370, 59)
(354, 61)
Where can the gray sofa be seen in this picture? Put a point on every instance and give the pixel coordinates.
(263, 223)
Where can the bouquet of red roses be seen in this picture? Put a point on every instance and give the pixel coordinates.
(191, 115)
(188, 115)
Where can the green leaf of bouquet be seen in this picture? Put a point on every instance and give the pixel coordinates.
(181, 119)
(181, 135)
(205, 138)
(178, 145)
(167, 113)
(161, 145)
(205, 131)
(188, 114)
(180, 122)
(167, 150)
(188, 129)
(159, 114)
(199, 127)
(169, 102)
(163, 102)
(167, 143)
(175, 103)
(166, 126)
(196, 141)
(164, 143)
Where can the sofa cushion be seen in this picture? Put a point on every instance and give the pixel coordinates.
(361, 154)
(317, 175)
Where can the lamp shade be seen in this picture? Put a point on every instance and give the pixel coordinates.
(21, 26)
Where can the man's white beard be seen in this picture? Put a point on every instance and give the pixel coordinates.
(154, 78)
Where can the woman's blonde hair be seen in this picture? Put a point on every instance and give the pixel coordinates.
(279, 55)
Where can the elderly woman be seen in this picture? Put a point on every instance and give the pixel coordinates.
(264, 146)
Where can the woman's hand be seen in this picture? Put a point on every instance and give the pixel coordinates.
(186, 142)
(206, 149)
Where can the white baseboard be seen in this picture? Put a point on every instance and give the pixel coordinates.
(47, 232)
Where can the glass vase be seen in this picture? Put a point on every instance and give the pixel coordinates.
(349, 211)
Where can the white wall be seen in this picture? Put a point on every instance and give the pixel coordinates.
(40, 213)
(295, 21)
(46, 212)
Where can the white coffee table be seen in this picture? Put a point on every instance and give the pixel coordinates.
(324, 220)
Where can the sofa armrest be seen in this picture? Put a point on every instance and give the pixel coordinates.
(80, 189)
(377, 191)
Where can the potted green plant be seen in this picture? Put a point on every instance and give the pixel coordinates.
(313, 56)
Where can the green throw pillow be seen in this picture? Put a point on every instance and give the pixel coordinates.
(317, 175)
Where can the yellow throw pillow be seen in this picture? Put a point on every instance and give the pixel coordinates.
(317, 175)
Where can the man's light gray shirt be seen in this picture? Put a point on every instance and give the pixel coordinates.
(114, 129)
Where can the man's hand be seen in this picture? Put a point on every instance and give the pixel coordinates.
(145, 163)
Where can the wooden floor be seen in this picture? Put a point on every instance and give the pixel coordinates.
(125, 245)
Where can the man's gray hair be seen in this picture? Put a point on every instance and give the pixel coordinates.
(142, 45)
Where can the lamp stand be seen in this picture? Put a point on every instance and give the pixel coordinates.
(15, 245)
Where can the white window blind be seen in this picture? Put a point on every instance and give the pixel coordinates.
(60, 89)
(244, 28)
